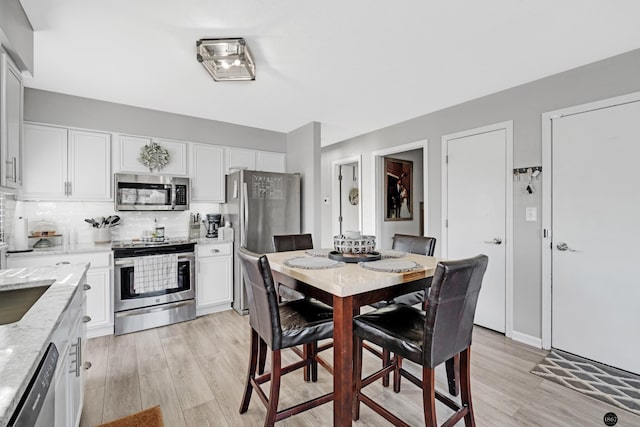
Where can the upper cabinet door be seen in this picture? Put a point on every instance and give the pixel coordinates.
(130, 148)
(89, 165)
(207, 173)
(240, 158)
(268, 161)
(45, 162)
(11, 108)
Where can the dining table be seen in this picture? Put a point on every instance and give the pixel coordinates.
(348, 286)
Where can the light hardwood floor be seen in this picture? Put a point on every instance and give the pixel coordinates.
(196, 371)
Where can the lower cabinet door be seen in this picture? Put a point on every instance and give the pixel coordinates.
(214, 284)
(99, 299)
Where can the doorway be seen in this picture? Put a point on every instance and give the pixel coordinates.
(346, 192)
(477, 206)
(590, 219)
(384, 230)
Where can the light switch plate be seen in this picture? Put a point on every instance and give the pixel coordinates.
(531, 214)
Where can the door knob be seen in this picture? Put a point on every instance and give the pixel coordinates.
(495, 241)
(562, 246)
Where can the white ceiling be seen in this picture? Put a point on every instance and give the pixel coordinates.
(353, 65)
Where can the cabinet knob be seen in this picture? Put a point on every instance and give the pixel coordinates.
(86, 366)
(86, 319)
(86, 287)
(62, 263)
(215, 251)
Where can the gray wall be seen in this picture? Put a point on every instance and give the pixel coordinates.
(66, 110)
(16, 34)
(524, 105)
(303, 156)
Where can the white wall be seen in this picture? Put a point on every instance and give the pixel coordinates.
(524, 105)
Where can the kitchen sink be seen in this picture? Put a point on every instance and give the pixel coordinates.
(14, 303)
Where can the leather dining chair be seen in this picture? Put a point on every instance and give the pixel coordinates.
(416, 245)
(297, 242)
(291, 242)
(279, 326)
(427, 338)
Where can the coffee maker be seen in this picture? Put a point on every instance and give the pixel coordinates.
(213, 223)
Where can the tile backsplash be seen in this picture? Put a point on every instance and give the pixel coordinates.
(69, 219)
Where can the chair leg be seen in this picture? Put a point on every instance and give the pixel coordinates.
(274, 394)
(251, 373)
(263, 356)
(429, 397)
(355, 409)
(386, 359)
(397, 376)
(465, 386)
(313, 352)
(453, 374)
(306, 353)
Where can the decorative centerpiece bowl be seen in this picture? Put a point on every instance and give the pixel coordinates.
(351, 244)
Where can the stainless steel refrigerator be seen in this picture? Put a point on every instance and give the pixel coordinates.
(259, 206)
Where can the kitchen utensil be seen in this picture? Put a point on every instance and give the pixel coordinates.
(115, 220)
(91, 221)
(100, 220)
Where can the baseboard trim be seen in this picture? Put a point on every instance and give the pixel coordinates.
(527, 339)
(100, 331)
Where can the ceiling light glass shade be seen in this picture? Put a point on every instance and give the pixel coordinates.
(226, 59)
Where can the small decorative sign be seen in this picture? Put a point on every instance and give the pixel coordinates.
(154, 156)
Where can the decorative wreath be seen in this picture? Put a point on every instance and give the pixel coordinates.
(154, 156)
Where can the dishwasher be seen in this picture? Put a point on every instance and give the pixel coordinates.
(37, 405)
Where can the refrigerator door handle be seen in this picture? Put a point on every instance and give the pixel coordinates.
(245, 214)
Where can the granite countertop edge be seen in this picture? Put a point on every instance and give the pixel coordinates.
(23, 343)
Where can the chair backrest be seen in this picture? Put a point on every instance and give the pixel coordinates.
(292, 242)
(414, 244)
(264, 315)
(452, 302)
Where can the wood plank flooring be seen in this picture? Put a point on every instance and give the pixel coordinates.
(196, 371)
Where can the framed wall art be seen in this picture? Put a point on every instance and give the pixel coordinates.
(398, 192)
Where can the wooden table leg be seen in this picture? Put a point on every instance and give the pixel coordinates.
(342, 360)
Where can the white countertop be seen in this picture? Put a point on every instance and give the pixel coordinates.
(23, 343)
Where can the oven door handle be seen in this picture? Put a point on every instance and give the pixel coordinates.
(128, 262)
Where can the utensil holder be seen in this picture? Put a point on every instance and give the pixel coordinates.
(102, 235)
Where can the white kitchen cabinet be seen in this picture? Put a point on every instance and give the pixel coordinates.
(128, 151)
(207, 173)
(99, 294)
(243, 158)
(11, 116)
(214, 281)
(66, 164)
(269, 161)
(240, 158)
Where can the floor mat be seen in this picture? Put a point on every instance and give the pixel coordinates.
(619, 388)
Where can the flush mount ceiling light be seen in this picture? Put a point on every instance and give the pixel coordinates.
(226, 59)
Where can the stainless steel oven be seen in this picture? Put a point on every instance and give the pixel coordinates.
(135, 310)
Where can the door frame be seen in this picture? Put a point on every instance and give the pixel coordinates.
(377, 170)
(508, 240)
(547, 208)
(335, 193)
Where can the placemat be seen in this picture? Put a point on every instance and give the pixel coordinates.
(391, 265)
(312, 263)
(318, 252)
(392, 253)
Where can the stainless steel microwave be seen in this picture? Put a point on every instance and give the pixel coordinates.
(151, 192)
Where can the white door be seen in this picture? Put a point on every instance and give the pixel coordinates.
(596, 226)
(476, 202)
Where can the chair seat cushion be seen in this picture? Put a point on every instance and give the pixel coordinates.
(304, 321)
(396, 327)
(288, 294)
(412, 298)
